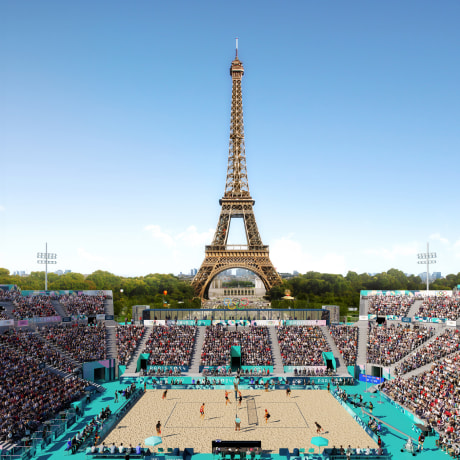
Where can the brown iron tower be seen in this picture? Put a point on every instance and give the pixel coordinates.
(236, 203)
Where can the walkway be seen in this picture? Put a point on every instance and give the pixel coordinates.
(194, 368)
(278, 368)
(414, 308)
(60, 309)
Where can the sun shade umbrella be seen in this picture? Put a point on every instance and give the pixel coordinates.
(319, 441)
(153, 441)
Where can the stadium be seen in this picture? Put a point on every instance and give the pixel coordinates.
(200, 383)
(112, 127)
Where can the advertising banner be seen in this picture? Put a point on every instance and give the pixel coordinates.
(7, 322)
(58, 293)
(154, 322)
(424, 319)
(66, 319)
(405, 319)
(100, 317)
(370, 379)
(451, 323)
(46, 319)
(363, 318)
(22, 322)
(407, 293)
(167, 368)
(306, 322)
(434, 293)
(109, 317)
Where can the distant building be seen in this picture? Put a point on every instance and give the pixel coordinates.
(19, 273)
(193, 271)
(295, 273)
(59, 272)
(67, 271)
(285, 276)
(433, 276)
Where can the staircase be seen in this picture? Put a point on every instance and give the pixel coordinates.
(108, 307)
(111, 339)
(194, 368)
(278, 368)
(60, 310)
(131, 367)
(363, 333)
(111, 326)
(414, 308)
(340, 362)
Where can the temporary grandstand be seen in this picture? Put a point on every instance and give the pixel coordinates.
(74, 379)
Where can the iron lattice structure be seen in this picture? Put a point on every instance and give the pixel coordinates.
(236, 203)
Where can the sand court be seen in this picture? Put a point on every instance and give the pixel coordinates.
(291, 424)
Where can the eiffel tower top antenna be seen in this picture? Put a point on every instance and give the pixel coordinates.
(236, 184)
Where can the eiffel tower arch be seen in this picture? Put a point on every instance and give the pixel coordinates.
(236, 203)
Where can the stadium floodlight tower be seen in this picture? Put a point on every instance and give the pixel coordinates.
(46, 258)
(427, 258)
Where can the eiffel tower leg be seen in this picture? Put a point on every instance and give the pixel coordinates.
(257, 261)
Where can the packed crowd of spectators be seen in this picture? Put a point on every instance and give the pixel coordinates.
(388, 344)
(8, 296)
(30, 343)
(433, 396)
(128, 336)
(382, 305)
(83, 343)
(440, 307)
(30, 395)
(302, 345)
(254, 343)
(346, 339)
(445, 344)
(171, 345)
(28, 307)
(83, 304)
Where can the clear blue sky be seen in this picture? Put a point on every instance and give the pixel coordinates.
(114, 127)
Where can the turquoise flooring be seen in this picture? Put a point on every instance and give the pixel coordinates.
(392, 440)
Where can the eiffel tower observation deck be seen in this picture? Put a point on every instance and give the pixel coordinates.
(236, 203)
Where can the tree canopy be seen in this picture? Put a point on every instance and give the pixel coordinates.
(310, 290)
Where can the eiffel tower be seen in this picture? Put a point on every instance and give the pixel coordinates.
(236, 203)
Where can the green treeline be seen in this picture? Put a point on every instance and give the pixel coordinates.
(237, 284)
(310, 290)
(141, 290)
(313, 289)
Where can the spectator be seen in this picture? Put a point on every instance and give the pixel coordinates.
(171, 345)
(254, 343)
(346, 339)
(388, 344)
(302, 345)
